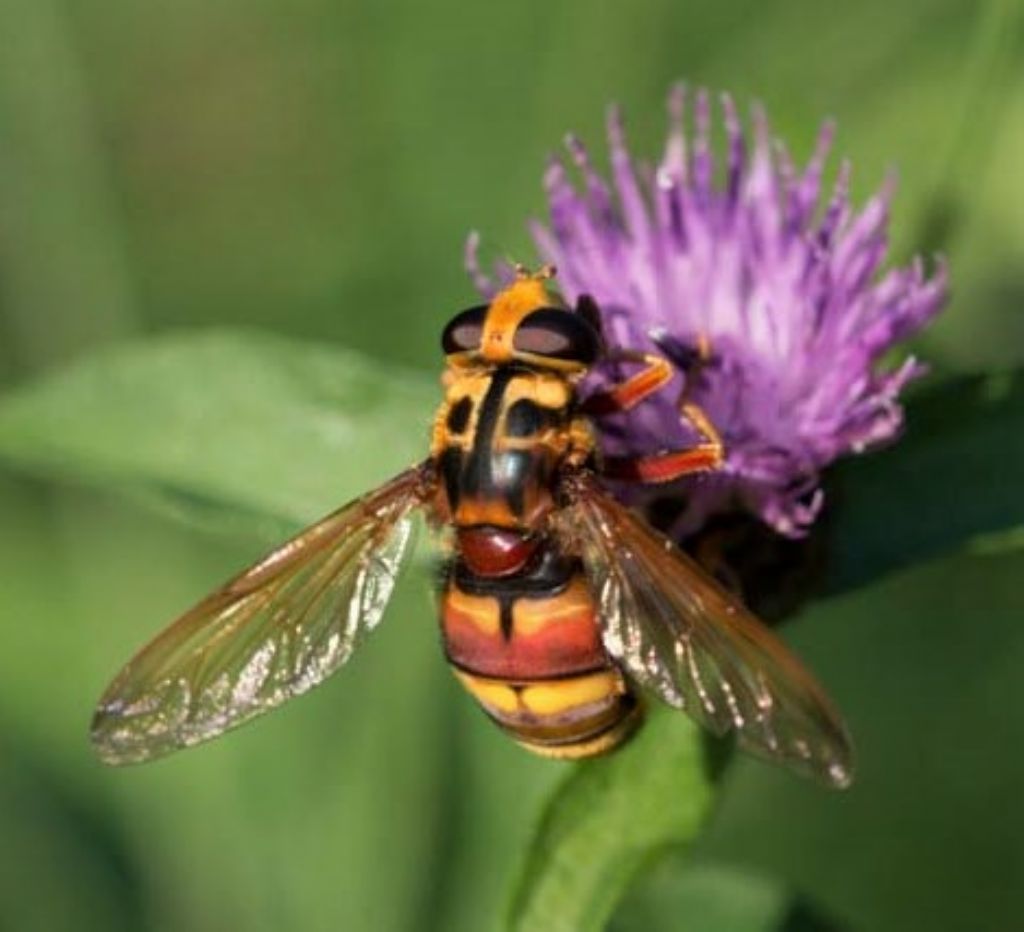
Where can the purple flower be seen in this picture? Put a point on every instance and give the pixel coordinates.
(787, 286)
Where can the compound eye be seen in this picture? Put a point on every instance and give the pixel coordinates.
(464, 330)
(559, 334)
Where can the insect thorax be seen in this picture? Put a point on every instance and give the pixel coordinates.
(499, 438)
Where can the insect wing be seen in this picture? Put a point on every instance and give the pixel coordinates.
(271, 633)
(679, 633)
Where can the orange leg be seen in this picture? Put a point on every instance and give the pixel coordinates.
(656, 374)
(671, 464)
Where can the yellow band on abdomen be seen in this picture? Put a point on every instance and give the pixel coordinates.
(576, 716)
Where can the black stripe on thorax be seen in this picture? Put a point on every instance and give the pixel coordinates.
(490, 410)
(478, 476)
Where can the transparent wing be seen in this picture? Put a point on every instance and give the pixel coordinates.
(271, 633)
(677, 632)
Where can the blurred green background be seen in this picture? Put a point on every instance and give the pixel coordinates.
(312, 168)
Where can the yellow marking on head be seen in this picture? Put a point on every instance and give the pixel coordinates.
(526, 294)
(506, 312)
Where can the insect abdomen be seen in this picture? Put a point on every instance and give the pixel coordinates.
(528, 648)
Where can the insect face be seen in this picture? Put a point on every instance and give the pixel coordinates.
(522, 324)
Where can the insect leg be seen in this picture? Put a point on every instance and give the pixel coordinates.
(672, 464)
(662, 467)
(657, 372)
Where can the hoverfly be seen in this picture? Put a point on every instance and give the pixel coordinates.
(558, 604)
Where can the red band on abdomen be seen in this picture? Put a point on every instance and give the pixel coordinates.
(550, 636)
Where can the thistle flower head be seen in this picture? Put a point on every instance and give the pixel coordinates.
(748, 255)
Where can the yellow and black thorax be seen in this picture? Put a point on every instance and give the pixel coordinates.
(509, 416)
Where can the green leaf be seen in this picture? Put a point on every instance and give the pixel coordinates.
(220, 423)
(605, 821)
(953, 479)
(679, 894)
